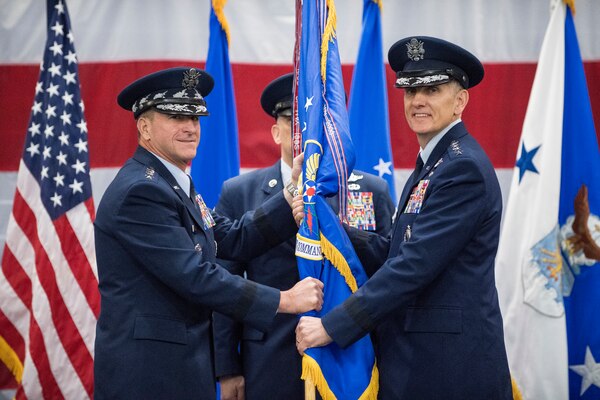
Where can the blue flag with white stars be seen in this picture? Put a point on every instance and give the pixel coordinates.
(323, 249)
(548, 262)
(368, 106)
(56, 149)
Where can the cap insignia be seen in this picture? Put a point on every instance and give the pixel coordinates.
(191, 78)
(415, 49)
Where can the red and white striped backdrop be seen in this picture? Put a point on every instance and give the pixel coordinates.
(118, 41)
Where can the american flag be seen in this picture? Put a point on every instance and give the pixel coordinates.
(49, 300)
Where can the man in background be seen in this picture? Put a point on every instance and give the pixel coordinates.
(261, 364)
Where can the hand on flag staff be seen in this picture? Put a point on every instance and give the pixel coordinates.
(311, 333)
(306, 295)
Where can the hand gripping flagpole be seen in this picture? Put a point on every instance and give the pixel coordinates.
(323, 249)
(309, 386)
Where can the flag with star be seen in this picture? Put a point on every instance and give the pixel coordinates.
(548, 262)
(218, 157)
(323, 249)
(368, 106)
(50, 302)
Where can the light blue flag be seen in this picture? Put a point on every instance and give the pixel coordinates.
(368, 107)
(218, 156)
(323, 248)
(547, 267)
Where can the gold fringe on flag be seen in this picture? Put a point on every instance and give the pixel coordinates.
(218, 6)
(11, 360)
(311, 371)
(373, 389)
(515, 390)
(328, 34)
(379, 3)
(339, 262)
(310, 368)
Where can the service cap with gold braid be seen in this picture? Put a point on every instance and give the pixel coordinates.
(428, 61)
(179, 90)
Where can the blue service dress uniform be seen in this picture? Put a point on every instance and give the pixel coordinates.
(159, 283)
(269, 360)
(433, 303)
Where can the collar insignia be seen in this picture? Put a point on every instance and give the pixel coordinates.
(149, 173)
(455, 146)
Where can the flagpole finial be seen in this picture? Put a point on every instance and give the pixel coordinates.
(328, 34)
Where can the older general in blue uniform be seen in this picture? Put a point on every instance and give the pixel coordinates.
(266, 365)
(156, 246)
(433, 302)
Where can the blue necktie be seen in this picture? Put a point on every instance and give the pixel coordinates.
(417, 171)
